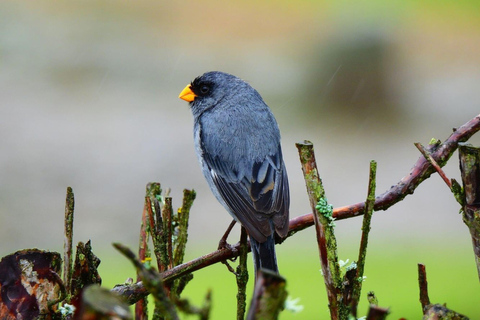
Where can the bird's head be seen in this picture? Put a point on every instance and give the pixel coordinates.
(207, 90)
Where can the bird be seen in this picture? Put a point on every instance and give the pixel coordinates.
(237, 141)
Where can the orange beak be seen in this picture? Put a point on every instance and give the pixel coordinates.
(187, 94)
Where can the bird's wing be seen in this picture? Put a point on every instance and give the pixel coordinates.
(257, 196)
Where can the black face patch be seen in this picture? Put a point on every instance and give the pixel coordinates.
(201, 87)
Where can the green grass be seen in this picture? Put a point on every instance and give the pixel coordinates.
(391, 272)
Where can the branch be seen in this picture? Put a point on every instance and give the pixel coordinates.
(167, 214)
(374, 311)
(362, 254)
(423, 284)
(327, 243)
(438, 311)
(141, 307)
(433, 311)
(268, 297)
(377, 313)
(183, 215)
(421, 171)
(68, 242)
(242, 276)
(99, 303)
(153, 282)
(435, 165)
(470, 170)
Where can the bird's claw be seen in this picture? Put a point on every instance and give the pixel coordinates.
(224, 245)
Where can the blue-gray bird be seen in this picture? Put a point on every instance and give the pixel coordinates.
(238, 146)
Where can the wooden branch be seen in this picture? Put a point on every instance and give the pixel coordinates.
(68, 241)
(131, 292)
(242, 276)
(421, 171)
(85, 271)
(434, 164)
(99, 303)
(433, 311)
(153, 281)
(422, 283)
(180, 243)
(470, 170)
(153, 223)
(440, 312)
(141, 307)
(268, 297)
(183, 215)
(203, 312)
(362, 254)
(149, 227)
(377, 313)
(167, 214)
(327, 243)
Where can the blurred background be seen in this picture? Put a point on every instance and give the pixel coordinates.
(88, 99)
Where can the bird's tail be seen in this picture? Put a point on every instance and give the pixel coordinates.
(264, 254)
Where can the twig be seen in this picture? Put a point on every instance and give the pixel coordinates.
(433, 311)
(147, 228)
(370, 201)
(85, 270)
(435, 165)
(154, 223)
(470, 170)
(372, 298)
(183, 215)
(99, 303)
(377, 313)
(201, 262)
(131, 292)
(134, 292)
(268, 297)
(440, 312)
(152, 280)
(423, 285)
(141, 307)
(68, 242)
(327, 243)
(167, 214)
(155, 226)
(180, 241)
(203, 313)
(242, 276)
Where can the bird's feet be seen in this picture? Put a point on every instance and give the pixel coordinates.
(223, 244)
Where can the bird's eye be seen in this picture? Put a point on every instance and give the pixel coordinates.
(204, 89)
